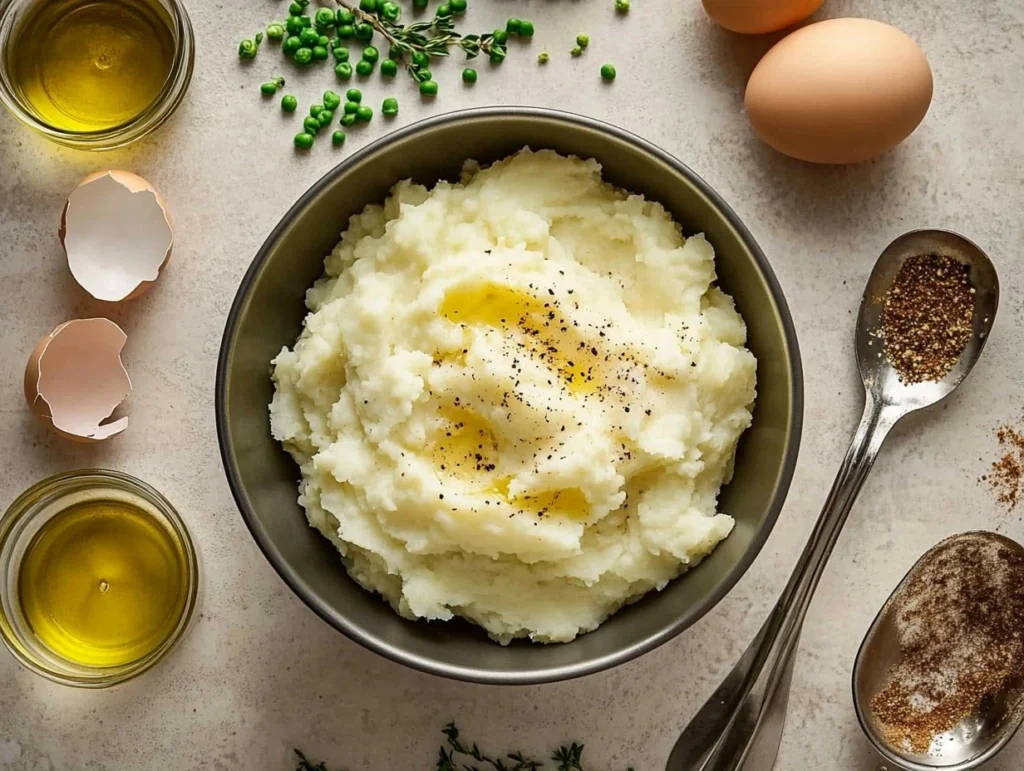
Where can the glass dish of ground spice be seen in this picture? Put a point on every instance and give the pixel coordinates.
(939, 678)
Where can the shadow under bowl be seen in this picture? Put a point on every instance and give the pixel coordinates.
(267, 315)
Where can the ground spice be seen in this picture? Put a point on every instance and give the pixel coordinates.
(1006, 478)
(959, 617)
(927, 317)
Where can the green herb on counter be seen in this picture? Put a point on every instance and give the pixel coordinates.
(453, 756)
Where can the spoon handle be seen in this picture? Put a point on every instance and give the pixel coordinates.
(744, 717)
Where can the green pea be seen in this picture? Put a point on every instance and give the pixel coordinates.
(501, 36)
(371, 54)
(348, 120)
(346, 31)
(303, 56)
(458, 6)
(275, 31)
(420, 59)
(304, 141)
(391, 11)
(345, 16)
(469, 75)
(247, 49)
(308, 37)
(351, 108)
(325, 118)
(291, 45)
(622, 6)
(270, 88)
(390, 107)
(543, 57)
(512, 26)
(364, 68)
(370, 6)
(576, 51)
(389, 67)
(315, 109)
(294, 25)
(583, 40)
(319, 54)
(498, 54)
(312, 125)
(354, 95)
(364, 114)
(428, 88)
(607, 72)
(295, 8)
(341, 53)
(444, 9)
(325, 17)
(324, 41)
(305, 21)
(364, 32)
(420, 3)
(423, 74)
(338, 138)
(289, 103)
(526, 29)
(343, 70)
(331, 100)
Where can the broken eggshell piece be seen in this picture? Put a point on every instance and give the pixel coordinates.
(74, 380)
(117, 234)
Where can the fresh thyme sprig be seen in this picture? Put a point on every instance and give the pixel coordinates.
(456, 757)
(434, 38)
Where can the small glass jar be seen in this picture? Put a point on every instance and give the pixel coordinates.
(27, 516)
(14, 12)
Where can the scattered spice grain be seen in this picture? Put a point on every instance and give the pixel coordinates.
(927, 317)
(1006, 477)
(959, 616)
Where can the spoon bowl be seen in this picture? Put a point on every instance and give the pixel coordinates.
(880, 378)
(977, 737)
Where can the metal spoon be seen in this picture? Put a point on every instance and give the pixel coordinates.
(741, 725)
(976, 738)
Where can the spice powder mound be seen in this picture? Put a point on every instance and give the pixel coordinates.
(927, 317)
(959, 617)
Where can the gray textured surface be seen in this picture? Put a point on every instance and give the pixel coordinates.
(259, 673)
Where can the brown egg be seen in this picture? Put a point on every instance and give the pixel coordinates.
(839, 91)
(755, 17)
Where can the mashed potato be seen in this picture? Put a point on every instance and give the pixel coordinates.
(515, 398)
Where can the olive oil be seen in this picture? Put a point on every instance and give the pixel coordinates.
(103, 583)
(91, 65)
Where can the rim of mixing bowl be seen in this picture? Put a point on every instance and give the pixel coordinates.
(468, 672)
(150, 119)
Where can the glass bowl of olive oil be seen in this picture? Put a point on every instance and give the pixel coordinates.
(94, 74)
(98, 578)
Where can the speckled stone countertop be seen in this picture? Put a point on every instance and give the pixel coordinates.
(259, 673)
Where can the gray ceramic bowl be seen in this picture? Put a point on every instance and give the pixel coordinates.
(267, 314)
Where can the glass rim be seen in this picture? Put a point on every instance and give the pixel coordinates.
(149, 119)
(31, 503)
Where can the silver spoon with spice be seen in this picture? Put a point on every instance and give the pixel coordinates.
(924, 319)
(939, 678)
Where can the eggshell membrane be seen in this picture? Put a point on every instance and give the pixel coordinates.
(839, 91)
(74, 380)
(755, 17)
(117, 233)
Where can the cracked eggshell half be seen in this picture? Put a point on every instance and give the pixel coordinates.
(75, 379)
(117, 234)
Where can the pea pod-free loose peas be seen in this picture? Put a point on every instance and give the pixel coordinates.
(346, 31)
(500, 36)
(345, 16)
(469, 75)
(371, 54)
(315, 109)
(289, 103)
(275, 31)
(311, 125)
(325, 18)
(458, 6)
(270, 88)
(343, 70)
(444, 9)
(351, 108)
(607, 72)
(309, 37)
(428, 88)
(354, 95)
(248, 49)
(364, 68)
(389, 67)
(331, 100)
(348, 120)
(526, 29)
(304, 141)
(391, 11)
(341, 53)
(296, 8)
(319, 54)
(370, 6)
(420, 59)
(420, 3)
(389, 107)
(303, 56)
(294, 25)
(364, 114)
(325, 118)
(291, 45)
(583, 40)
(364, 32)
(338, 138)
